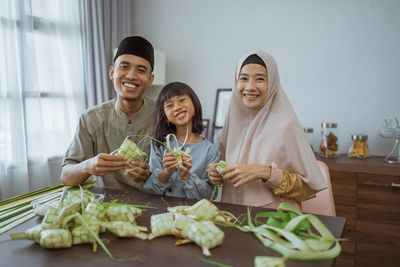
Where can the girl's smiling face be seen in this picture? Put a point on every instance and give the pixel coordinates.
(179, 110)
(253, 85)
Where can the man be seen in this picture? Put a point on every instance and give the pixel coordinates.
(103, 128)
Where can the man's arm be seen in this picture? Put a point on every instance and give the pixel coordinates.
(102, 164)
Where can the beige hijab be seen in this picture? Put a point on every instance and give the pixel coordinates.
(266, 135)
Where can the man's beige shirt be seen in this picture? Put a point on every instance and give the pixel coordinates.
(103, 128)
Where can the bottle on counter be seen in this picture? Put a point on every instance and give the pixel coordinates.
(309, 132)
(329, 143)
(359, 148)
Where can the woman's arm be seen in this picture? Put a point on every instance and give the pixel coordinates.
(283, 183)
(293, 186)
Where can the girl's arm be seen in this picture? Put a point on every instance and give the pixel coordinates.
(153, 185)
(199, 185)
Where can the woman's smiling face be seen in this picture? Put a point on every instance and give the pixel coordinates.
(252, 85)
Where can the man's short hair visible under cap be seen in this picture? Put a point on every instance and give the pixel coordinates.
(137, 46)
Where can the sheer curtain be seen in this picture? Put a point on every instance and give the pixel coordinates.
(104, 24)
(41, 90)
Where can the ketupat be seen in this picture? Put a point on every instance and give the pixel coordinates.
(58, 231)
(81, 235)
(181, 220)
(181, 225)
(130, 150)
(161, 224)
(221, 165)
(206, 235)
(123, 213)
(267, 261)
(50, 220)
(94, 211)
(178, 209)
(126, 229)
(177, 151)
(67, 211)
(32, 233)
(55, 238)
(206, 210)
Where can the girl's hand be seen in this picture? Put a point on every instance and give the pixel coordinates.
(241, 174)
(170, 163)
(215, 177)
(184, 171)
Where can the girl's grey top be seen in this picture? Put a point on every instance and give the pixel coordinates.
(198, 186)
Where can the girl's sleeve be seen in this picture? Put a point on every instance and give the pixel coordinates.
(153, 184)
(199, 186)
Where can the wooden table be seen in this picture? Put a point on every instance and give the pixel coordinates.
(238, 248)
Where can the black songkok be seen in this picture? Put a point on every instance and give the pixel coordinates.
(137, 46)
(253, 59)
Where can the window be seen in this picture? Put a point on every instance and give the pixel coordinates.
(42, 84)
(42, 90)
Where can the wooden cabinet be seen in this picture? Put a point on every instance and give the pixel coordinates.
(366, 193)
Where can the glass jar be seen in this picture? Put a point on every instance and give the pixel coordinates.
(359, 149)
(329, 143)
(309, 132)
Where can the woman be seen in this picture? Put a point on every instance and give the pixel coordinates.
(269, 157)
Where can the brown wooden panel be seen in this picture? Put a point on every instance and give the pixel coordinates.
(344, 188)
(377, 200)
(347, 257)
(377, 244)
(372, 165)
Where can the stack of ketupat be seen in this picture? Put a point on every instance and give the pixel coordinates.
(16, 210)
(191, 223)
(80, 218)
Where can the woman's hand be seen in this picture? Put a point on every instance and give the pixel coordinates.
(215, 177)
(184, 171)
(240, 174)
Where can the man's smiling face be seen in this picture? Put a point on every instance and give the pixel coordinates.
(131, 75)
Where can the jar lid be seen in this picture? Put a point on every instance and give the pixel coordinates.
(329, 125)
(363, 137)
(308, 130)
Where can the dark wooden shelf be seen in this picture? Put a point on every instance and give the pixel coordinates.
(372, 165)
(365, 194)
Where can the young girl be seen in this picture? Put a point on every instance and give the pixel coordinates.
(178, 111)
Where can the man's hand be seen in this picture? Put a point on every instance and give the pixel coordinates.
(184, 171)
(215, 177)
(104, 164)
(140, 171)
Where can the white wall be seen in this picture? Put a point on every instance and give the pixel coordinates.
(339, 60)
